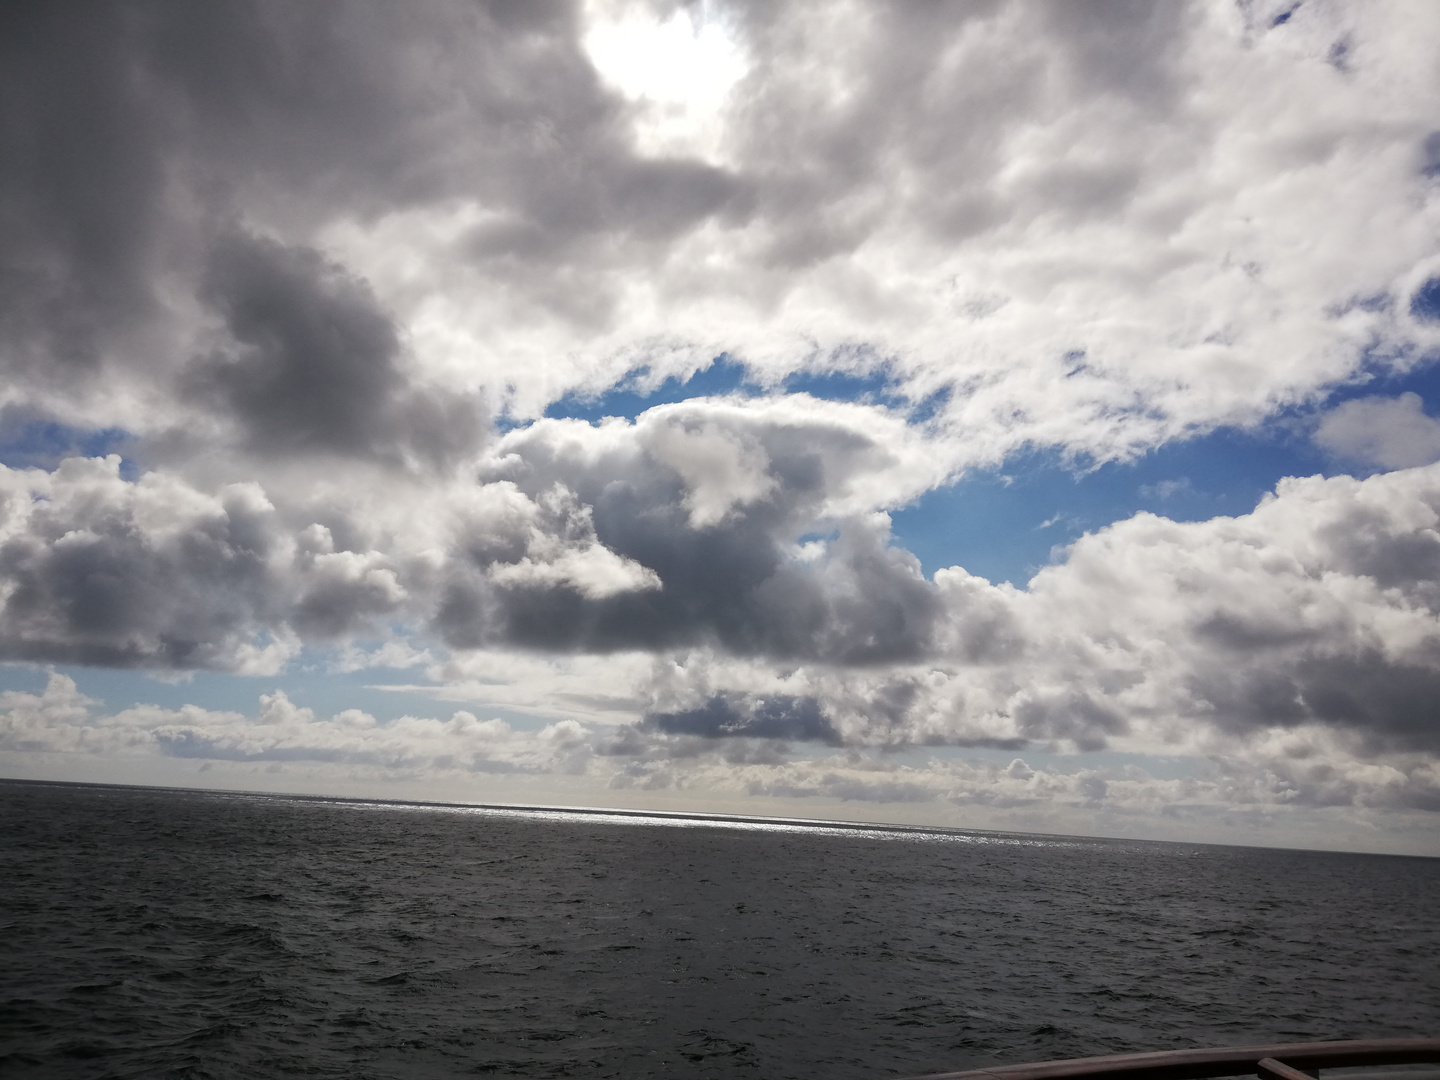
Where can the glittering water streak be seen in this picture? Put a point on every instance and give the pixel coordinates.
(917, 834)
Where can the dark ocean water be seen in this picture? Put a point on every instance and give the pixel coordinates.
(157, 933)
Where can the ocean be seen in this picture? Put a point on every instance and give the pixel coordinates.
(161, 933)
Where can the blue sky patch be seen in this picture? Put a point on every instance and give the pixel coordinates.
(1425, 304)
(723, 376)
(43, 444)
(1005, 523)
(874, 387)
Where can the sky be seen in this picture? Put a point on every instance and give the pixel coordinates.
(999, 415)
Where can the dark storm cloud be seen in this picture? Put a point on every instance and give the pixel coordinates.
(730, 586)
(136, 134)
(733, 582)
(781, 717)
(354, 105)
(314, 362)
(102, 570)
(1073, 716)
(90, 583)
(1391, 704)
(81, 188)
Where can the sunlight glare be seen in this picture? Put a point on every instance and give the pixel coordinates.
(678, 72)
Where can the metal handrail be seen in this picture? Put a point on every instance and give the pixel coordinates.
(1305, 1058)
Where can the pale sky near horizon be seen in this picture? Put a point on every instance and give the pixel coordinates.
(1000, 414)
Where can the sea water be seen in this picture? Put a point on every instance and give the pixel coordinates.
(158, 933)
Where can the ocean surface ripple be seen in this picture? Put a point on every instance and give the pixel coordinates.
(154, 933)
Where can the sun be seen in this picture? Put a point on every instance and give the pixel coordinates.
(677, 71)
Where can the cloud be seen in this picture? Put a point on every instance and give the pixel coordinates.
(309, 365)
(712, 497)
(1167, 489)
(978, 200)
(457, 205)
(1393, 433)
(147, 134)
(573, 539)
(767, 718)
(98, 569)
(1097, 232)
(83, 197)
(1306, 775)
(1317, 614)
(103, 571)
(1318, 609)
(313, 365)
(319, 271)
(62, 720)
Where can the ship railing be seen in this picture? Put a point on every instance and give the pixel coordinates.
(1280, 1061)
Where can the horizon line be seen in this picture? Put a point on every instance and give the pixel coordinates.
(690, 815)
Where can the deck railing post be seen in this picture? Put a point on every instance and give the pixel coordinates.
(1270, 1069)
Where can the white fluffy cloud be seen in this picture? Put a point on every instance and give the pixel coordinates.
(1320, 606)
(1393, 433)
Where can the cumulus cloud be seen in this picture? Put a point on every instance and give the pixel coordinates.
(771, 718)
(1090, 260)
(309, 364)
(459, 205)
(1319, 608)
(1394, 433)
(711, 498)
(1302, 639)
(101, 570)
(571, 538)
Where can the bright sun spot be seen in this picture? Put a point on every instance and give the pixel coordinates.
(678, 72)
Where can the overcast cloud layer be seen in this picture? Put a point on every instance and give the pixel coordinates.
(311, 275)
